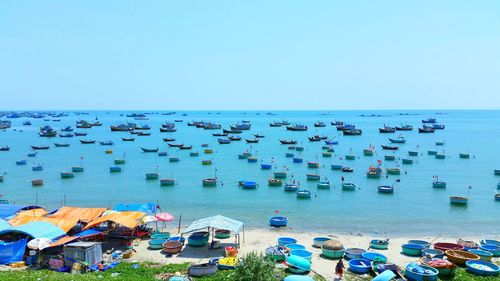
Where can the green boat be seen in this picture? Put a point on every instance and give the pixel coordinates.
(497, 172)
(77, 169)
(332, 254)
(373, 174)
(280, 175)
(67, 175)
(119, 161)
(167, 182)
(242, 156)
(379, 244)
(323, 185)
(152, 176)
(348, 186)
(115, 169)
(275, 182)
(432, 152)
(440, 156)
(367, 152)
(440, 143)
(393, 171)
(407, 161)
(413, 153)
(350, 157)
(439, 184)
(173, 159)
(327, 154)
(389, 157)
(313, 177)
(464, 155)
(222, 234)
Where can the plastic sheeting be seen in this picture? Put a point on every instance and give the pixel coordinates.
(217, 222)
(148, 208)
(38, 229)
(127, 219)
(12, 252)
(8, 210)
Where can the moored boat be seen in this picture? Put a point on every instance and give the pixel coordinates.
(303, 194)
(459, 200)
(275, 182)
(149, 149)
(67, 175)
(167, 182)
(348, 186)
(209, 182)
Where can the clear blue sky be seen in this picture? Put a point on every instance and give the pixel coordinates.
(249, 54)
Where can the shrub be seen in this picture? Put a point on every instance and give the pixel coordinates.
(256, 267)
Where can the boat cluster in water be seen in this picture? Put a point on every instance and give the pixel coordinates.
(226, 136)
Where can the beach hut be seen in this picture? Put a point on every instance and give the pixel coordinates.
(218, 223)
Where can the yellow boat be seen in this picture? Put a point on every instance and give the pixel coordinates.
(108, 151)
(209, 151)
(227, 263)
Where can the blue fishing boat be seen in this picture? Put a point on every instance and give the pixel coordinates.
(289, 154)
(348, 186)
(331, 142)
(399, 139)
(359, 266)
(115, 169)
(278, 221)
(313, 177)
(68, 135)
(106, 143)
(336, 166)
(224, 141)
(248, 184)
(67, 129)
(21, 162)
(429, 121)
(482, 268)
(297, 160)
(162, 153)
(266, 166)
(37, 168)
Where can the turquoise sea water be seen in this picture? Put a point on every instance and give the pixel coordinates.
(415, 207)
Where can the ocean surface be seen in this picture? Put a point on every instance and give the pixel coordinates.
(415, 207)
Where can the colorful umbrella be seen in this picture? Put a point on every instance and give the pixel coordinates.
(164, 217)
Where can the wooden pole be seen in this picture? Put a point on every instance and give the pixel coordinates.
(179, 227)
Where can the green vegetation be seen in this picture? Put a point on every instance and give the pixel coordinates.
(253, 267)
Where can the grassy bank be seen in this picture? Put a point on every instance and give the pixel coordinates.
(148, 271)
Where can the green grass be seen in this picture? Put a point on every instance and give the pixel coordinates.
(148, 271)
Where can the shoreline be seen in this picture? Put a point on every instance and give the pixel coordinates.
(258, 239)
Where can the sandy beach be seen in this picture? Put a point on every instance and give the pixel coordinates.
(259, 239)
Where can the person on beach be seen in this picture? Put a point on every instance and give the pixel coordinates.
(339, 269)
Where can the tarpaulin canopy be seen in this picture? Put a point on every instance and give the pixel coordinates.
(38, 229)
(148, 208)
(8, 210)
(4, 225)
(12, 252)
(217, 222)
(82, 214)
(127, 219)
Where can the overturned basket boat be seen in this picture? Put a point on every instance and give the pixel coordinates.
(172, 247)
(204, 269)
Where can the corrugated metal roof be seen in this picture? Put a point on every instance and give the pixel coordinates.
(4, 225)
(38, 229)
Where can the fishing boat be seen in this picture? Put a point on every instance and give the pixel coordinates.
(280, 175)
(275, 182)
(167, 182)
(128, 139)
(348, 186)
(47, 131)
(368, 152)
(404, 128)
(220, 134)
(275, 124)
(61, 144)
(115, 169)
(399, 139)
(285, 141)
(497, 197)
(168, 130)
(319, 124)
(224, 141)
(37, 182)
(87, 141)
(440, 156)
(67, 129)
(119, 161)
(387, 129)
(407, 161)
(168, 139)
(291, 187)
(496, 172)
(386, 189)
(303, 194)
(350, 157)
(209, 182)
(393, 171)
(206, 162)
(234, 138)
(412, 153)
(464, 155)
(37, 168)
(152, 176)
(4, 148)
(33, 154)
(439, 143)
(331, 142)
(80, 134)
(438, 184)
(459, 200)
(345, 169)
(265, 166)
(248, 184)
(67, 175)
(297, 160)
(426, 130)
(337, 123)
(77, 169)
(313, 164)
(252, 159)
(149, 149)
(106, 143)
(69, 135)
(323, 185)
(39, 147)
(313, 177)
(432, 152)
(335, 166)
(289, 155)
(258, 136)
(232, 131)
(297, 127)
(388, 147)
(143, 134)
(299, 148)
(193, 153)
(185, 147)
(241, 127)
(174, 159)
(429, 121)
(123, 127)
(352, 132)
(326, 154)
(252, 140)
(389, 157)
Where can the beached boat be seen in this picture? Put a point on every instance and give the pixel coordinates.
(149, 149)
(204, 269)
(417, 272)
(167, 182)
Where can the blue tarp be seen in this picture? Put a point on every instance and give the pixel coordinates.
(149, 208)
(12, 252)
(8, 210)
(88, 233)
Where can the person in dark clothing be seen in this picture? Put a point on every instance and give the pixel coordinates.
(339, 269)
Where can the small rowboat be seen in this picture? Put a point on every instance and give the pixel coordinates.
(37, 182)
(87, 141)
(379, 244)
(193, 153)
(359, 266)
(252, 140)
(297, 160)
(431, 152)
(4, 148)
(37, 168)
(249, 184)
(444, 246)
(459, 257)
(415, 271)
(482, 268)
(167, 182)
(414, 250)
